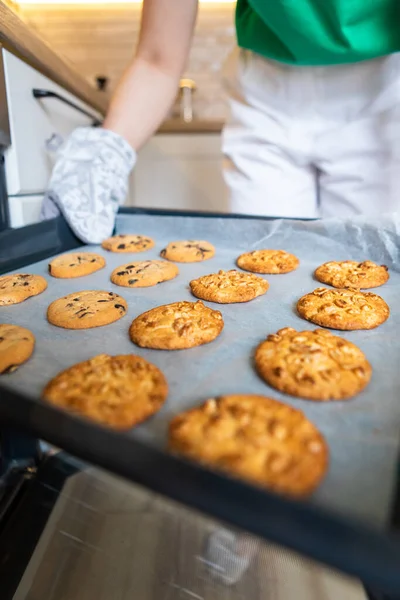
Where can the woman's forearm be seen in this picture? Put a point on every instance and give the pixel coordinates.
(149, 85)
(141, 102)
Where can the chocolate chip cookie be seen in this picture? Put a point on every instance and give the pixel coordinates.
(316, 365)
(176, 326)
(254, 438)
(118, 391)
(128, 243)
(344, 309)
(77, 264)
(144, 273)
(16, 346)
(87, 309)
(268, 261)
(20, 287)
(226, 287)
(350, 273)
(187, 251)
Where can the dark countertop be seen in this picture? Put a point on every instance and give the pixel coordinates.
(195, 126)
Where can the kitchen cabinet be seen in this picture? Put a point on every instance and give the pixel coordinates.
(24, 210)
(33, 123)
(181, 171)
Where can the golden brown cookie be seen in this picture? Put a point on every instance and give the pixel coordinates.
(254, 438)
(87, 309)
(350, 273)
(19, 287)
(188, 251)
(144, 273)
(76, 264)
(128, 243)
(226, 287)
(176, 326)
(16, 346)
(345, 309)
(268, 261)
(312, 364)
(118, 391)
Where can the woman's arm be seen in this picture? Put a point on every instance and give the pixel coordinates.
(149, 85)
(90, 178)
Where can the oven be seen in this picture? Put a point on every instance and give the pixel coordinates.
(36, 115)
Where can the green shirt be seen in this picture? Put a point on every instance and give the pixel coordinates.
(319, 32)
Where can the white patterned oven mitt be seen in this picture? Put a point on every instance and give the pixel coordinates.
(89, 182)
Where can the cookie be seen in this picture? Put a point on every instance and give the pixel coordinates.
(76, 264)
(19, 287)
(16, 346)
(268, 261)
(144, 273)
(226, 287)
(84, 310)
(312, 364)
(176, 326)
(128, 243)
(345, 309)
(254, 438)
(350, 273)
(118, 391)
(187, 251)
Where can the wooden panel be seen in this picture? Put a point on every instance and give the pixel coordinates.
(17, 37)
(197, 126)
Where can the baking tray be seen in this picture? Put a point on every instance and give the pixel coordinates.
(349, 521)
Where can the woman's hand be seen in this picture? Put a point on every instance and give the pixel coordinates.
(89, 182)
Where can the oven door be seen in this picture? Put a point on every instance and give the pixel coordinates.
(40, 111)
(41, 114)
(4, 213)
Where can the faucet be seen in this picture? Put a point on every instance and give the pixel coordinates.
(186, 89)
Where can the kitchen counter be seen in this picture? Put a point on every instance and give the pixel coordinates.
(195, 126)
(17, 37)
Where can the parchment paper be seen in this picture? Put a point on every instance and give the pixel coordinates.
(362, 433)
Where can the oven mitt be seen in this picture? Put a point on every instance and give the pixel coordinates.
(89, 182)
